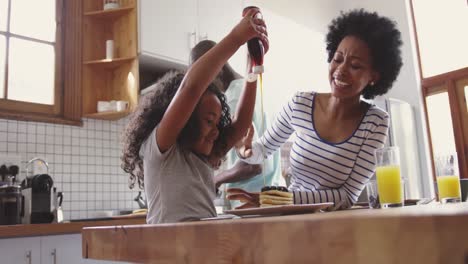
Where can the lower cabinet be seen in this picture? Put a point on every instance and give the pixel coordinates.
(58, 249)
(25, 250)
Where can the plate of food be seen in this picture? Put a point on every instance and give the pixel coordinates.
(281, 209)
(272, 200)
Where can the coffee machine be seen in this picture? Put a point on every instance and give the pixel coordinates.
(37, 193)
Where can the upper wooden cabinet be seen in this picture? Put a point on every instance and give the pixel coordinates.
(109, 79)
(169, 29)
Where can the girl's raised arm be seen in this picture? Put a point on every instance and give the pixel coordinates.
(200, 75)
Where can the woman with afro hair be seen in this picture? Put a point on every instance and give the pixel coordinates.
(336, 133)
(182, 129)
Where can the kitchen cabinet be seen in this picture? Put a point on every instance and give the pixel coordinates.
(61, 249)
(58, 249)
(169, 29)
(64, 249)
(25, 250)
(109, 79)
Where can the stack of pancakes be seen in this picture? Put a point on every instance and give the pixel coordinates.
(274, 196)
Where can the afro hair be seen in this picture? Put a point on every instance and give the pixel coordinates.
(381, 36)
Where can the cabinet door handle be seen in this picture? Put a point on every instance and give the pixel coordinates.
(54, 255)
(193, 39)
(29, 256)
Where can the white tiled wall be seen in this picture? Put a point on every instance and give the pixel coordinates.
(84, 162)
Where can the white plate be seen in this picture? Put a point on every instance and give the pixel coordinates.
(281, 209)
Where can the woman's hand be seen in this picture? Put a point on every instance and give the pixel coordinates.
(250, 200)
(244, 146)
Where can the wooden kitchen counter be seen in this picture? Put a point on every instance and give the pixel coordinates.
(415, 234)
(9, 231)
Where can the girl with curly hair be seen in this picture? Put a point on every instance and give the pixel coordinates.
(336, 133)
(239, 174)
(182, 130)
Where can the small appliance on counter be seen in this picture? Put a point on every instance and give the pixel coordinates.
(10, 204)
(11, 200)
(57, 206)
(37, 192)
(141, 201)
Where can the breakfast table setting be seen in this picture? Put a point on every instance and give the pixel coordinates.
(271, 227)
(429, 233)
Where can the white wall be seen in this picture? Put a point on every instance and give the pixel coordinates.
(296, 60)
(315, 14)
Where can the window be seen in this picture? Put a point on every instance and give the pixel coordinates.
(34, 83)
(440, 123)
(3, 14)
(440, 28)
(2, 65)
(446, 52)
(31, 72)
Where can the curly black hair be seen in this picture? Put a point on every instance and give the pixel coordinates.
(381, 36)
(149, 113)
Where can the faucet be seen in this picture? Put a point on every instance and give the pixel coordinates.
(141, 201)
(33, 160)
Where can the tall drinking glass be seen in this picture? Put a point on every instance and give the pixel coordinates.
(448, 180)
(389, 182)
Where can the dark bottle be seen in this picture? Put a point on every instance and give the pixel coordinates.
(255, 47)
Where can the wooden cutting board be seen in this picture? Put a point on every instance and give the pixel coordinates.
(127, 216)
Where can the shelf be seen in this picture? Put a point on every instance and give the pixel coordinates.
(109, 79)
(111, 115)
(109, 64)
(109, 14)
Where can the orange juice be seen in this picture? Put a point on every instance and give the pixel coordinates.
(449, 187)
(389, 185)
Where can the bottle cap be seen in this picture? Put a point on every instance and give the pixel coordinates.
(257, 69)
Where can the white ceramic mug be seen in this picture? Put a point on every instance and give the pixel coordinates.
(121, 105)
(103, 106)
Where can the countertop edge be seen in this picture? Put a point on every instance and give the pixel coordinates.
(14, 231)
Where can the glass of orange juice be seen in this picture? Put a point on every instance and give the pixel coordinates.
(448, 180)
(389, 182)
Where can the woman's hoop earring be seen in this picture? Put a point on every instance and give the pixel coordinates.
(372, 84)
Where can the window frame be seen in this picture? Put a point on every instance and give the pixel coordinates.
(445, 82)
(67, 90)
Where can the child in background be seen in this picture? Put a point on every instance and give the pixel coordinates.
(182, 130)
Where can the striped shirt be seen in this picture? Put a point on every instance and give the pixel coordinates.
(324, 171)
